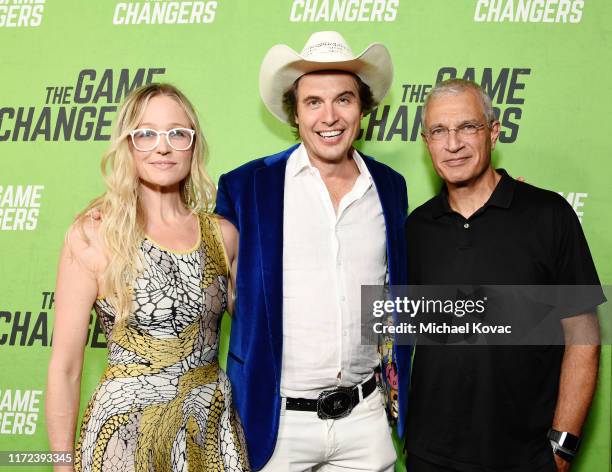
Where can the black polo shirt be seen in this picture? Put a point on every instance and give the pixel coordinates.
(488, 408)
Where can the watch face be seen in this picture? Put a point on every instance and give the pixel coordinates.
(564, 440)
(569, 441)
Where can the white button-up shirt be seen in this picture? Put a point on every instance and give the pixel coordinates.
(327, 256)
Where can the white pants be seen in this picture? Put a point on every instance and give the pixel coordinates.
(359, 442)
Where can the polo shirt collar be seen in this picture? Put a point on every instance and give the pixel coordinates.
(501, 197)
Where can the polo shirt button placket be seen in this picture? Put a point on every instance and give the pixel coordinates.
(464, 236)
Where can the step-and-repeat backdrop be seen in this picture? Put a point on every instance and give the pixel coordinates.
(67, 64)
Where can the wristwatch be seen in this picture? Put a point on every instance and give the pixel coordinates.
(564, 444)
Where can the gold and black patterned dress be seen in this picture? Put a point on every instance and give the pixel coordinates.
(163, 404)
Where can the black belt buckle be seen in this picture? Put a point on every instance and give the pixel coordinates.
(335, 404)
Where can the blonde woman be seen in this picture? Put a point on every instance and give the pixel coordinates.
(155, 270)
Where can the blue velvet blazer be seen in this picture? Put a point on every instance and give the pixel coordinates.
(251, 197)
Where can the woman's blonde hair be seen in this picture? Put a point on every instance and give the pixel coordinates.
(122, 227)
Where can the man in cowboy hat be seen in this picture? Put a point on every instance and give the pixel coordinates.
(315, 222)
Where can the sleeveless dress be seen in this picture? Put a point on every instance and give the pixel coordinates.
(163, 404)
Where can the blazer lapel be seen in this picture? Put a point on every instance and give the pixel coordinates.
(388, 201)
(269, 196)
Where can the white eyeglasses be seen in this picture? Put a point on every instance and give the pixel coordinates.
(146, 139)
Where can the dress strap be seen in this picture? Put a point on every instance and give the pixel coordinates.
(212, 243)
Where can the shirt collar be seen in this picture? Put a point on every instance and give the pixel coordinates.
(299, 161)
(501, 196)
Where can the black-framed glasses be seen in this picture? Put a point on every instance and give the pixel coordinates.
(466, 129)
(147, 139)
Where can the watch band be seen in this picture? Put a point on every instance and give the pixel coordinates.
(564, 444)
(559, 451)
(565, 440)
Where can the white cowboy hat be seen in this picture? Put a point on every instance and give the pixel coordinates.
(324, 50)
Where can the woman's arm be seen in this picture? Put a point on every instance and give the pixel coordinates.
(75, 293)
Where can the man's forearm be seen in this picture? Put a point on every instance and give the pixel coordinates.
(576, 387)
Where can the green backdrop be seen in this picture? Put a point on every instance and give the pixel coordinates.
(66, 64)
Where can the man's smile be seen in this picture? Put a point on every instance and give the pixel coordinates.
(330, 134)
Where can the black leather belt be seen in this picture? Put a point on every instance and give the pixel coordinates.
(333, 404)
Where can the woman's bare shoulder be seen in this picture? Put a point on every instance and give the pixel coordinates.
(83, 243)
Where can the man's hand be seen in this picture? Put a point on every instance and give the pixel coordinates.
(95, 214)
(562, 464)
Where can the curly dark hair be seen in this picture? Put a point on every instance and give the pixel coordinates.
(366, 99)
